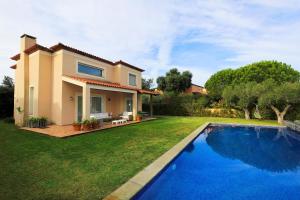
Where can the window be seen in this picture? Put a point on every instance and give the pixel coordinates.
(132, 79)
(96, 104)
(129, 105)
(86, 69)
(31, 98)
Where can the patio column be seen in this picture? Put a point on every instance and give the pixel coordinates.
(86, 102)
(134, 105)
(151, 106)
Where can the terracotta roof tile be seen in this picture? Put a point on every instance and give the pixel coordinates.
(37, 47)
(148, 92)
(16, 57)
(13, 66)
(102, 83)
(60, 46)
(128, 65)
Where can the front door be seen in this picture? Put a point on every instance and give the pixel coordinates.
(79, 108)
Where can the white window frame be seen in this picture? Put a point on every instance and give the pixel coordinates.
(130, 73)
(90, 65)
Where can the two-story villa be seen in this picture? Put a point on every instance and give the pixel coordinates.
(65, 84)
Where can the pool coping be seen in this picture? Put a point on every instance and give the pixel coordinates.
(142, 178)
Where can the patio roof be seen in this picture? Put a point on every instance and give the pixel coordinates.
(110, 84)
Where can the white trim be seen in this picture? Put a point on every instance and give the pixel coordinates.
(132, 73)
(73, 81)
(99, 87)
(93, 65)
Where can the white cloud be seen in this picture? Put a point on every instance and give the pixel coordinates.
(144, 33)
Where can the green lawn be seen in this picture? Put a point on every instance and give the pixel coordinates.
(90, 166)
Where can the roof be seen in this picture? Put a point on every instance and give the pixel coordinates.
(148, 92)
(102, 83)
(61, 46)
(14, 66)
(128, 65)
(111, 84)
(16, 57)
(197, 85)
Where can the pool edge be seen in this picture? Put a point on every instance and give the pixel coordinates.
(142, 178)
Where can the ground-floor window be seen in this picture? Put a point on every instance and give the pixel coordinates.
(96, 104)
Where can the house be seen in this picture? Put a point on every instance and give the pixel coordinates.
(65, 84)
(196, 89)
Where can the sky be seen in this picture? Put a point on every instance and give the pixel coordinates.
(200, 36)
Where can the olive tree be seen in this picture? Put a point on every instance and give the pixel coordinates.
(242, 97)
(278, 97)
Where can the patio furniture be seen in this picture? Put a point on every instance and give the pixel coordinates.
(119, 121)
(126, 115)
(100, 115)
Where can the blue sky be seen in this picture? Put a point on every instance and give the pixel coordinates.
(200, 36)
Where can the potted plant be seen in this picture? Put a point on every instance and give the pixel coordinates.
(42, 122)
(86, 125)
(77, 126)
(94, 123)
(139, 116)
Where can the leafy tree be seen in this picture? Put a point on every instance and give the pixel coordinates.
(255, 72)
(217, 83)
(242, 96)
(174, 81)
(280, 98)
(8, 82)
(147, 83)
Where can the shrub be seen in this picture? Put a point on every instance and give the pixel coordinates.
(37, 122)
(9, 120)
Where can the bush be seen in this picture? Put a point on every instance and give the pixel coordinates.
(9, 120)
(188, 105)
(37, 122)
(6, 102)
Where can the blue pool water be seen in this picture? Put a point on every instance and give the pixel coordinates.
(226, 163)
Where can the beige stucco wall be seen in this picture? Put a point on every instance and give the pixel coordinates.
(21, 82)
(54, 98)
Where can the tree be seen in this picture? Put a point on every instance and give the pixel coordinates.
(242, 96)
(174, 81)
(255, 72)
(7, 97)
(8, 82)
(147, 83)
(280, 98)
(218, 82)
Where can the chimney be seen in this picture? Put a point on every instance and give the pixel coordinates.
(27, 41)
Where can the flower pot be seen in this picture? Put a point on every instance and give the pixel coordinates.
(77, 127)
(86, 127)
(139, 118)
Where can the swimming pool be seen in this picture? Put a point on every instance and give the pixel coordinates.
(232, 162)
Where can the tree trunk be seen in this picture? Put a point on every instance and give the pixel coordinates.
(280, 115)
(247, 113)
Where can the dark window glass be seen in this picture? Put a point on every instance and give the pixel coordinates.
(85, 69)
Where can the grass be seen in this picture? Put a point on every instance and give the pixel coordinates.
(90, 166)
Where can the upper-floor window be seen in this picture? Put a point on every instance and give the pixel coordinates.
(132, 79)
(90, 70)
